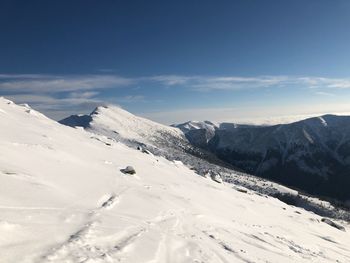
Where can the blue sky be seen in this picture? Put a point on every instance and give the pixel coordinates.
(173, 61)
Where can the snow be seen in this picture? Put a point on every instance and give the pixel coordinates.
(63, 198)
(323, 121)
(195, 125)
(129, 126)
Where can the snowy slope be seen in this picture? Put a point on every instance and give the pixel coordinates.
(129, 125)
(116, 122)
(64, 199)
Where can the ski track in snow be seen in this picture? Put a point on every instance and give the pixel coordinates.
(82, 246)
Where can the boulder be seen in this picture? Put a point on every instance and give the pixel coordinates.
(128, 170)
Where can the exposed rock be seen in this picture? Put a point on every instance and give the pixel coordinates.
(240, 189)
(139, 147)
(333, 224)
(217, 178)
(146, 151)
(128, 170)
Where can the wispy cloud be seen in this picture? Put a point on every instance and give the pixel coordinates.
(322, 93)
(23, 76)
(53, 84)
(236, 83)
(80, 93)
(214, 83)
(131, 98)
(35, 83)
(208, 83)
(83, 94)
(331, 83)
(171, 80)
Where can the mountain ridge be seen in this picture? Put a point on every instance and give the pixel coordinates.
(315, 150)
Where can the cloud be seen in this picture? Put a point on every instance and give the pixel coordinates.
(171, 80)
(236, 83)
(53, 84)
(209, 83)
(322, 93)
(216, 83)
(58, 94)
(131, 98)
(339, 84)
(84, 95)
(23, 76)
(329, 83)
(41, 83)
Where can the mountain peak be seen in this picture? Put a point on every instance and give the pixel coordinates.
(111, 119)
(110, 108)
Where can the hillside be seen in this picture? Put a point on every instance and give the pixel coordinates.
(64, 198)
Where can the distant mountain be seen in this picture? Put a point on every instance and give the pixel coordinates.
(312, 154)
(120, 125)
(198, 133)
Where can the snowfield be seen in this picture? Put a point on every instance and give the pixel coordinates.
(127, 126)
(63, 198)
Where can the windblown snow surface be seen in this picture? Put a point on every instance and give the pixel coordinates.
(63, 198)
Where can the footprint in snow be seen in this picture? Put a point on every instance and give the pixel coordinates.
(108, 201)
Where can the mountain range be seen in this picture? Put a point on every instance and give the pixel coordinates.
(311, 154)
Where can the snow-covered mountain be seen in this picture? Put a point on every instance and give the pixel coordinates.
(115, 122)
(199, 133)
(120, 125)
(169, 142)
(312, 154)
(189, 126)
(66, 198)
